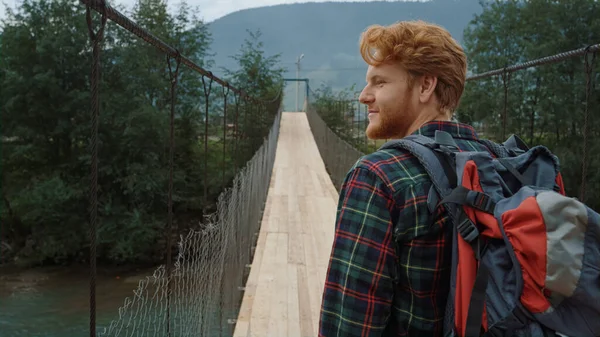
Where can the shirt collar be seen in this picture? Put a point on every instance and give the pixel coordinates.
(455, 129)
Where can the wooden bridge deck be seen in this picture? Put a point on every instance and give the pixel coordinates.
(284, 288)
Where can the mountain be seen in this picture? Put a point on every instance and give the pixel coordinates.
(327, 33)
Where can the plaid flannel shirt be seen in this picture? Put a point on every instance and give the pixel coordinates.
(389, 269)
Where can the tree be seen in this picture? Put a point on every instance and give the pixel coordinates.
(261, 78)
(336, 110)
(44, 96)
(545, 104)
(44, 75)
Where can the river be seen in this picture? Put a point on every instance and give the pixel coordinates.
(54, 301)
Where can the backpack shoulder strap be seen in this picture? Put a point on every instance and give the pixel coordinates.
(441, 171)
(422, 148)
(439, 156)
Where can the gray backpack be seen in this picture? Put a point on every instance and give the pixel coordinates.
(526, 258)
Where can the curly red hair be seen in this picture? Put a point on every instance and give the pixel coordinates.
(420, 48)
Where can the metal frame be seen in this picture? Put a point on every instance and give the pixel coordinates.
(300, 80)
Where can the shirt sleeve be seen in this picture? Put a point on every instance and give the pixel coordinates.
(358, 292)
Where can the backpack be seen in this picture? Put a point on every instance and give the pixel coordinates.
(526, 258)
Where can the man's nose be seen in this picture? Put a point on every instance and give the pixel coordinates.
(365, 97)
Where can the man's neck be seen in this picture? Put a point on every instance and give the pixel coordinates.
(426, 118)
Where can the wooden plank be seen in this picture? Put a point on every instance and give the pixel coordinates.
(307, 327)
(261, 306)
(243, 321)
(278, 318)
(284, 290)
(293, 309)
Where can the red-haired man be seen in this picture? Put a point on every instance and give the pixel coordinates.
(390, 264)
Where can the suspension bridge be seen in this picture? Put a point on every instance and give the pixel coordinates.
(257, 266)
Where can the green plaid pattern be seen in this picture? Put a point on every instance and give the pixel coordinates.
(389, 270)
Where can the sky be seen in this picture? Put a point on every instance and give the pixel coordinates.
(210, 10)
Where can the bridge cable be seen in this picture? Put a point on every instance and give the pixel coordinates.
(102, 7)
(589, 66)
(236, 98)
(225, 93)
(174, 79)
(96, 38)
(245, 128)
(544, 60)
(120, 19)
(505, 81)
(206, 97)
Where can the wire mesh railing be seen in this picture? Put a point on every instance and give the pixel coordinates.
(337, 145)
(210, 268)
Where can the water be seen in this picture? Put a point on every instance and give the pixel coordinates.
(54, 301)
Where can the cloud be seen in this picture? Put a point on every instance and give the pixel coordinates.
(210, 10)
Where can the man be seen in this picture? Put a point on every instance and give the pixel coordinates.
(390, 263)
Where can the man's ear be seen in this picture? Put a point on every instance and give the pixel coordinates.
(427, 84)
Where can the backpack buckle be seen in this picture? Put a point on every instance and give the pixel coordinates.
(467, 229)
(481, 201)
